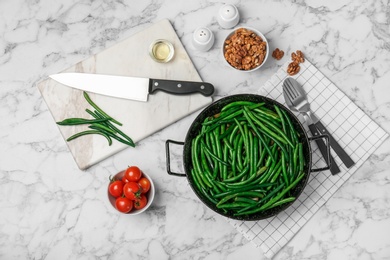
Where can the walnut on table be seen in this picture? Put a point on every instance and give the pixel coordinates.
(277, 54)
(298, 57)
(293, 68)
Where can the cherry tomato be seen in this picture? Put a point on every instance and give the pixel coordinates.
(141, 202)
(132, 190)
(115, 188)
(124, 180)
(133, 173)
(145, 184)
(123, 204)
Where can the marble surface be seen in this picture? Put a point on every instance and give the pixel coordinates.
(52, 210)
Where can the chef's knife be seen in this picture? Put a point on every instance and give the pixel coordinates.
(130, 87)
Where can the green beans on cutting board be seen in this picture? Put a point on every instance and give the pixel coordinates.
(247, 158)
(102, 124)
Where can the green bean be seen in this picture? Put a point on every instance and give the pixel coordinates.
(103, 127)
(290, 164)
(282, 193)
(257, 132)
(276, 174)
(277, 109)
(276, 129)
(262, 155)
(250, 153)
(249, 180)
(225, 199)
(114, 128)
(220, 186)
(249, 190)
(267, 114)
(81, 121)
(205, 169)
(270, 164)
(239, 104)
(244, 199)
(196, 179)
(284, 170)
(89, 100)
(233, 156)
(278, 135)
(273, 172)
(233, 205)
(89, 132)
(301, 157)
(209, 160)
(207, 195)
(252, 194)
(295, 159)
(224, 117)
(239, 152)
(281, 202)
(214, 156)
(242, 131)
(293, 132)
(195, 170)
(225, 158)
(218, 147)
(227, 133)
(255, 153)
(197, 166)
(250, 210)
(233, 133)
(110, 134)
(237, 177)
(92, 113)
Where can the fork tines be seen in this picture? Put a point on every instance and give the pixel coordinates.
(290, 89)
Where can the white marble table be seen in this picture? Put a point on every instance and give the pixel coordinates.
(52, 210)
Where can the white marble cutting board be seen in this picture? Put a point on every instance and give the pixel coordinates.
(129, 57)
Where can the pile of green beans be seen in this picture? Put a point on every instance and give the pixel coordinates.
(102, 124)
(247, 159)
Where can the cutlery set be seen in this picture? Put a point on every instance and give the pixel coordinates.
(296, 100)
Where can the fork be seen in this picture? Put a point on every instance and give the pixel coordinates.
(294, 93)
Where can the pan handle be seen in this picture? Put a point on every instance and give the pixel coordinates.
(168, 158)
(327, 160)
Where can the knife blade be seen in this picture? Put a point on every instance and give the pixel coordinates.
(134, 88)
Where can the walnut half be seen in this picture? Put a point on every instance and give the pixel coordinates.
(277, 54)
(293, 68)
(298, 57)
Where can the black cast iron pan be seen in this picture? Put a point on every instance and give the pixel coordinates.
(215, 108)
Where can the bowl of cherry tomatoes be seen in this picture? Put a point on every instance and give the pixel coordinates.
(131, 191)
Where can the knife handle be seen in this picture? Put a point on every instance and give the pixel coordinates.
(334, 169)
(181, 87)
(335, 145)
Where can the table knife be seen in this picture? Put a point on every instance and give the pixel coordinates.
(134, 88)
